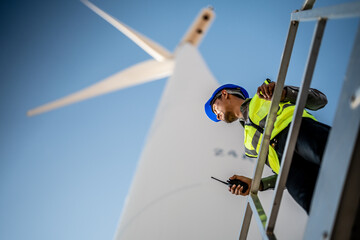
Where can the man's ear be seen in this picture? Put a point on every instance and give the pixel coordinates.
(224, 93)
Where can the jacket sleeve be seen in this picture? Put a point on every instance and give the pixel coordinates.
(315, 101)
(269, 182)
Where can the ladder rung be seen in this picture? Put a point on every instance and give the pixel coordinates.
(346, 10)
(256, 207)
(260, 217)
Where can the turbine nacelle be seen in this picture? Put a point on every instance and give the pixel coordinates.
(199, 27)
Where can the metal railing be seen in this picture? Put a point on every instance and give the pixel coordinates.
(321, 15)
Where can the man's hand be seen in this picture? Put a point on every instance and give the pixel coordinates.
(265, 91)
(238, 190)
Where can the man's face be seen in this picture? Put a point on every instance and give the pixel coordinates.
(223, 110)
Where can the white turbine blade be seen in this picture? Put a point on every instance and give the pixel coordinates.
(153, 49)
(140, 73)
(199, 27)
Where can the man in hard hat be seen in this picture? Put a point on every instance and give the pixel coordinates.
(230, 102)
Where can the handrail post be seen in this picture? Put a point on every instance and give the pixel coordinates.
(295, 124)
(269, 125)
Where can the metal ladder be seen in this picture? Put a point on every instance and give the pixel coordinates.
(348, 129)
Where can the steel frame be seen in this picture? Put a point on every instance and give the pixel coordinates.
(267, 225)
(338, 186)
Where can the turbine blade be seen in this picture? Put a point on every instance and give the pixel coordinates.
(140, 73)
(199, 27)
(153, 49)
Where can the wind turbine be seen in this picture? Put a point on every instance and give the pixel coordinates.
(161, 66)
(172, 195)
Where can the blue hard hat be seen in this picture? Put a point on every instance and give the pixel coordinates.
(208, 105)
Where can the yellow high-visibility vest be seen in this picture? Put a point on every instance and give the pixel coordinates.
(258, 111)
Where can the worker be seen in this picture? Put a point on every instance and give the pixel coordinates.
(230, 102)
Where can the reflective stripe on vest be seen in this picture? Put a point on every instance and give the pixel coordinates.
(258, 110)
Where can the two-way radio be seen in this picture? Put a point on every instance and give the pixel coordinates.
(237, 182)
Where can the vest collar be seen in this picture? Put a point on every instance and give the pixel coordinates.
(244, 108)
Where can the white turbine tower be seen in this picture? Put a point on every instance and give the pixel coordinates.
(172, 195)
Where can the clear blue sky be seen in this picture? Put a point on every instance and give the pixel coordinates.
(65, 174)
